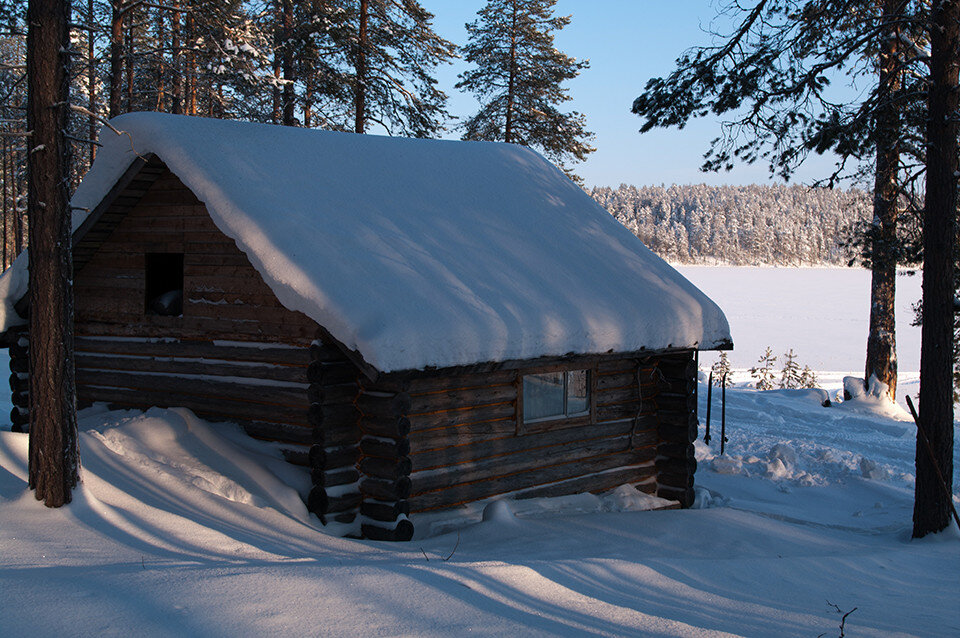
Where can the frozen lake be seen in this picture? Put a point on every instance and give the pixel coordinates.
(822, 313)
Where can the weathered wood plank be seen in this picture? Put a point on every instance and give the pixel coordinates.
(462, 416)
(180, 365)
(521, 461)
(538, 445)
(255, 352)
(642, 477)
(503, 484)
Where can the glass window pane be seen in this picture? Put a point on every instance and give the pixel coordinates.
(578, 393)
(542, 396)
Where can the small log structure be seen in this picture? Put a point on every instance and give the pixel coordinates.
(379, 448)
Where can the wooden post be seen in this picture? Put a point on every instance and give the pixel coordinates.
(677, 430)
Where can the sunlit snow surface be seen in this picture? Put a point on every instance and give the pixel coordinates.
(185, 528)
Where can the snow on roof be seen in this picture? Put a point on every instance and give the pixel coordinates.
(418, 252)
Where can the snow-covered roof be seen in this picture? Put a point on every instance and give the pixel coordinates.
(417, 252)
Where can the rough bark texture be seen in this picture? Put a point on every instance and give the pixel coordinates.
(289, 98)
(116, 56)
(882, 340)
(931, 511)
(53, 455)
(360, 99)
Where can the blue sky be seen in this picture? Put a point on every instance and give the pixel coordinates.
(627, 42)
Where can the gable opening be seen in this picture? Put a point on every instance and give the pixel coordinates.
(163, 284)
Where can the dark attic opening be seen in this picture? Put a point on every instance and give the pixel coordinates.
(164, 284)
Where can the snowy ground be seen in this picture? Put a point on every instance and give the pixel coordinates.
(182, 528)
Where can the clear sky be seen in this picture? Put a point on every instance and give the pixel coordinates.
(627, 42)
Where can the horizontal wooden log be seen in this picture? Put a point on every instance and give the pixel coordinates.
(401, 532)
(676, 466)
(462, 398)
(642, 477)
(326, 353)
(395, 428)
(388, 469)
(258, 353)
(465, 434)
(383, 407)
(386, 448)
(18, 350)
(198, 329)
(612, 365)
(284, 432)
(417, 383)
(332, 373)
(332, 458)
(524, 461)
(234, 390)
(181, 365)
(331, 416)
(19, 364)
(212, 408)
(450, 418)
(382, 490)
(675, 480)
(382, 511)
(626, 410)
(19, 417)
(341, 393)
(676, 450)
(425, 458)
(679, 434)
(295, 456)
(18, 384)
(494, 485)
(321, 503)
(684, 495)
(340, 476)
(20, 399)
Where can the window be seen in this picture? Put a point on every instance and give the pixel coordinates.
(164, 284)
(549, 396)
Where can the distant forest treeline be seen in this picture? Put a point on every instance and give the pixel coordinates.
(741, 225)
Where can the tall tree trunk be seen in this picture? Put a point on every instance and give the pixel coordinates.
(360, 92)
(512, 77)
(161, 76)
(53, 455)
(190, 60)
(288, 72)
(176, 67)
(882, 338)
(116, 56)
(308, 102)
(129, 63)
(3, 193)
(91, 83)
(931, 510)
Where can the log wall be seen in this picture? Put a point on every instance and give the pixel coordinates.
(465, 442)
(235, 353)
(19, 343)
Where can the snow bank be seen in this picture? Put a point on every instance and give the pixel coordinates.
(422, 252)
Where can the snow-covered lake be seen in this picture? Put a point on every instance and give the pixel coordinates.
(822, 313)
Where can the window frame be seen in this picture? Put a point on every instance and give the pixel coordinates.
(555, 423)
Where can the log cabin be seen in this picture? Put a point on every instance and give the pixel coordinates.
(420, 323)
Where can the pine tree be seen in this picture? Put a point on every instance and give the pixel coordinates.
(790, 376)
(808, 378)
(393, 51)
(931, 511)
(518, 77)
(53, 453)
(764, 372)
(721, 371)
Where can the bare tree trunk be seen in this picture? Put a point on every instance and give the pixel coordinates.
(308, 102)
(191, 68)
(116, 56)
(129, 63)
(931, 510)
(3, 165)
(882, 338)
(176, 105)
(512, 78)
(360, 92)
(161, 76)
(53, 455)
(288, 71)
(91, 84)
